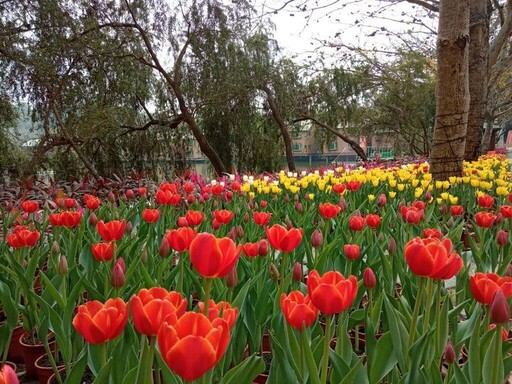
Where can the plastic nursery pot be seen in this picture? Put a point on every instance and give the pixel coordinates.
(44, 368)
(87, 377)
(31, 352)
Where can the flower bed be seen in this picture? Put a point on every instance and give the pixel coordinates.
(179, 282)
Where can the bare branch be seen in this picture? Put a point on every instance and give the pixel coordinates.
(503, 36)
(430, 5)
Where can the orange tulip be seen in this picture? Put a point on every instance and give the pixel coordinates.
(484, 286)
(23, 237)
(331, 293)
(432, 257)
(221, 309)
(298, 310)
(213, 257)
(193, 344)
(98, 322)
(111, 231)
(328, 210)
(150, 215)
(180, 239)
(283, 239)
(103, 251)
(151, 307)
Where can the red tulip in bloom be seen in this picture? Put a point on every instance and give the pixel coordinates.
(69, 219)
(484, 286)
(151, 307)
(223, 216)
(432, 257)
(485, 201)
(171, 187)
(8, 376)
(54, 219)
(111, 231)
(283, 239)
(506, 211)
(180, 239)
(251, 249)
(352, 251)
(22, 237)
(372, 220)
(339, 188)
(328, 210)
(98, 322)
(167, 197)
(91, 202)
(189, 187)
(356, 223)
(484, 219)
(412, 214)
(193, 344)
(419, 204)
(456, 210)
(151, 215)
(30, 206)
(261, 218)
(103, 251)
(432, 232)
(194, 218)
(217, 189)
(222, 309)
(213, 257)
(298, 310)
(331, 293)
(353, 185)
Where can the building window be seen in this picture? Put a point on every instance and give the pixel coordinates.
(333, 146)
(297, 147)
(296, 135)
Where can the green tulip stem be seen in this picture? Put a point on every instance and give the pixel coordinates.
(181, 261)
(415, 314)
(284, 259)
(438, 318)
(325, 357)
(148, 377)
(428, 305)
(495, 378)
(103, 354)
(206, 299)
(302, 354)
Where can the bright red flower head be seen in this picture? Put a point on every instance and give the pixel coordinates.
(171, 187)
(283, 239)
(251, 249)
(339, 188)
(356, 223)
(70, 219)
(411, 215)
(456, 210)
(328, 210)
(194, 218)
(151, 307)
(298, 310)
(23, 238)
(55, 219)
(484, 286)
(180, 239)
(98, 322)
(484, 219)
(150, 215)
(506, 211)
(8, 375)
(261, 218)
(353, 185)
(222, 310)
(352, 251)
(432, 257)
(111, 231)
(223, 216)
(142, 191)
(372, 220)
(213, 257)
(432, 232)
(331, 293)
(103, 251)
(167, 197)
(369, 279)
(193, 344)
(30, 206)
(91, 202)
(485, 201)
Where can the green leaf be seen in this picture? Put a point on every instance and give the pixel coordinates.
(384, 360)
(399, 334)
(493, 360)
(77, 372)
(357, 374)
(311, 364)
(245, 372)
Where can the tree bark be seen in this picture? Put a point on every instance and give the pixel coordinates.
(282, 126)
(452, 93)
(478, 76)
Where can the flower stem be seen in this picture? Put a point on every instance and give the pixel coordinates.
(206, 299)
(497, 356)
(283, 271)
(325, 357)
(415, 314)
(181, 260)
(103, 354)
(428, 305)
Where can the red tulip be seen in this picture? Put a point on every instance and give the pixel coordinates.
(261, 218)
(70, 219)
(485, 201)
(251, 249)
(432, 258)
(223, 216)
(456, 210)
(449, 353)
(432, 232)
(484, 286)
(499, 309)
(502, 238)
(152, 307)
(91, 202)
(171, 187)
(283, 239)
(369, 280)
(8, 376)
(189, 187)
(213, 257)
(150, 215)
(382, 200)
(221, 310)
(167, 197)
(352, 251)
(298, 310)
(193, 344)
(118, 274)
(54, 219)
(339, 188)
(23, 238)
(141, 191)
(411, 215)
(98, 322)
(30, 206)
(129, 194)
(506, 211)
(328, 210)
(180, 239)
(353, 185)
(103, 251)
(111, 231)
(484, 219)
(297, 272)
(372, 220)
(331, 293)
(263, 247)
(194, 218)
(356, 223)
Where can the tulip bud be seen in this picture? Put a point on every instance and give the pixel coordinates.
(164, 248)
(369, 279)
(428, 196)
(228, 196)
(286, 198)
(500, 311)
(55, 248)
(251, 203)
(382, 200)
(499, 219)
(239, 231)
(232, 234)
(191, 199)
(508, 271)
(392, 246)
(129, 228)
(111, 197)
(121, 262)
(263, 248)
(450, 222)
(502, 237)
(504, 331)
(182, 221)
(232, 278)
(129, 194)
(246, 217)
(142, 191)
(93, 220)
(297, 272)
(144, 255)
(444, 209)
(263, 204)
(274, 273)
(62, 268)
(9, 206)
(298, 207)
(117, 276)
(289, 224)
(449, 353)
(215, 224)
(316, 238)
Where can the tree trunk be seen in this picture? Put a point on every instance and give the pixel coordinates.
(478, 76)
(282, 126)
(452, 93)
(486, 140)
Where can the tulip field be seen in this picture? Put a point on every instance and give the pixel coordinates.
(375, 274)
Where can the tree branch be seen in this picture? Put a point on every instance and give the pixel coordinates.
(504, 34)
(431, 6)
